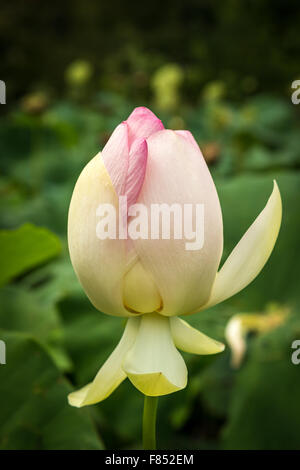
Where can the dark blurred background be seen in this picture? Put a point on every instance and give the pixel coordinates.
(251, 46)
(73, 71)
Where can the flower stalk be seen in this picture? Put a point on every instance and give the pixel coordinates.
(149, 422)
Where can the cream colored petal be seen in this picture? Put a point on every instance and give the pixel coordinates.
(77, 398)
(99, 264)
(140, 292)
(153, 364)
(235, 336)
(177, 174)
(190, 340)
(111, 373)
(251, 253)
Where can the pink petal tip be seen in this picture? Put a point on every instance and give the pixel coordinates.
(142, 123)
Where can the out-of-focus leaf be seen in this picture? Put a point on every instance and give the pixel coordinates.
(89, 336)
(37, 414)
(25, 248)
(242, 199)
(263, 413)
(21, 310)
(25, 311)
(55, 281)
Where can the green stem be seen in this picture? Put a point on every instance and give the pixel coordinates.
(149, 423)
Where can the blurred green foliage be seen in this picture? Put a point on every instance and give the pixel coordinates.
(74, 70)
(24, 248)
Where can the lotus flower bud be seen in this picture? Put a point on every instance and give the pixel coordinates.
(129, 267)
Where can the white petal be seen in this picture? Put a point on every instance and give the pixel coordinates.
(190, 340)
(111, 373)
(189, 136)
(177, 173)
(154, 365)
(140, 293)
(99, 264)
(251, 253)
(116, 157)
